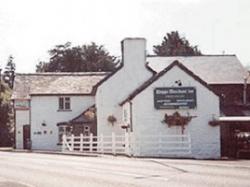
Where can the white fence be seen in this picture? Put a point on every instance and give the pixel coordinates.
(129, 144)
(114, 144)
(162, 145)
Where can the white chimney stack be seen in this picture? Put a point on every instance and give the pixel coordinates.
(134, 53)
(134, 60)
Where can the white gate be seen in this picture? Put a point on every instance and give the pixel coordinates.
(129, 144)
(114, 144)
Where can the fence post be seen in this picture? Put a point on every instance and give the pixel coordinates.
(64, 142)
(81, 142)
(133, 145)
(72, 142)
(90, 142)
(101, 143)
(127, 144)
(159, 143)
(189, 144)
(113, 143)
(138, 141)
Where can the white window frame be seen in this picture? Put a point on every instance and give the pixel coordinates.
(66, 103)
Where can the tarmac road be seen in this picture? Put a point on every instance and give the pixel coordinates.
(45, 170)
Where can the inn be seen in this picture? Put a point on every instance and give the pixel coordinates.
(201, 98)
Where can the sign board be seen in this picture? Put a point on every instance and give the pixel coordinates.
(21, 104)
(175, 98)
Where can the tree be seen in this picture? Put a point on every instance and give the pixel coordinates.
(174, 45)
(64, 58)
(6, 112)
(9, 73)
(6, 116)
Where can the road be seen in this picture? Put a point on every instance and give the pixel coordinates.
(45, 170)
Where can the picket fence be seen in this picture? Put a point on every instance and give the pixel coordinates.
(177, 145)
(113, 144)
(129, 144)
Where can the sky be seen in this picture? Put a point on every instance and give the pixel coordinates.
(29, 28)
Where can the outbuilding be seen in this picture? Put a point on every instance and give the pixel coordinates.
(48, 105)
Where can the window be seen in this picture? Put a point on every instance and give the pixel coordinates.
(86, 131)
(67, 103)
(64, 103)
(125, 116)
(64, 130)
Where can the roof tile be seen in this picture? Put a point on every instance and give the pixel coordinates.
(55, 83)
(213, 69)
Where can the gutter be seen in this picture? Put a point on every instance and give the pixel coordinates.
(245, 89)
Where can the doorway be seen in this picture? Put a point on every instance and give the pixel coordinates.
(235, 140)
(26, 137)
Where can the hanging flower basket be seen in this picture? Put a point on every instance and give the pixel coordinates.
(177, 120)
(125, 126)
(112, 119)
(214, 123)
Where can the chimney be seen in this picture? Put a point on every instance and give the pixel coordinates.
(134, 54)
(134, 69)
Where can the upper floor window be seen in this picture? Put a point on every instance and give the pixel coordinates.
(64, 103)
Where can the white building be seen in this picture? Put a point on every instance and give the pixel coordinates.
(43, 101)
(141, 94)
(133, 95)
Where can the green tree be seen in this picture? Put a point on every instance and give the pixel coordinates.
(6, 116)
(6, 112)
(65, 58)
(9, 72)
(174, 45)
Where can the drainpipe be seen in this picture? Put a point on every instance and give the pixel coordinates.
(245, 89)
(0, 82)
(131, 115)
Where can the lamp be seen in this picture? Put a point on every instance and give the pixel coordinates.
(44, 124)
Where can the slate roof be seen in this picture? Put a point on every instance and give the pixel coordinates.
(87, 116)
(160, 74)
(213, 69)
(55, 84)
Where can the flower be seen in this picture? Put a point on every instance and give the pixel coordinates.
(112, 119)
(177, 120)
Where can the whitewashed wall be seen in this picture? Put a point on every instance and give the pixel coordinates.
(45, 109)
(22, 118)
(121, 84)
(147, 120)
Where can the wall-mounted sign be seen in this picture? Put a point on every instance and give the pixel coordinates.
(175, 98)
(21, 104)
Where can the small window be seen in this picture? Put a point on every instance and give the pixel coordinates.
(67, 103)
(86, 131)
(64, 103)
(61, 103)
(60, 134)
(64, 130)
(125, 115)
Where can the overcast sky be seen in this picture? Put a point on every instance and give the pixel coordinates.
(29, 28)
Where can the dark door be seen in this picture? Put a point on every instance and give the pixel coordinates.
(26, 137)
(242, 144)
(235, 140)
